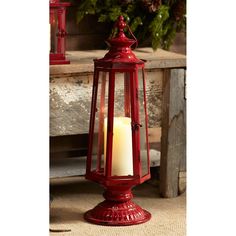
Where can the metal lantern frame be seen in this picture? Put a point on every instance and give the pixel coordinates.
(58, 21)
(117, 208)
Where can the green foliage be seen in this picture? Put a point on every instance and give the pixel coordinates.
(156, 26)
(160, 25)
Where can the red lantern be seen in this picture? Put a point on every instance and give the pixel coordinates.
(118, 155)
(58, 32)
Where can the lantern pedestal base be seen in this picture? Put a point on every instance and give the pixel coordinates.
(117, 213)
(58, 59)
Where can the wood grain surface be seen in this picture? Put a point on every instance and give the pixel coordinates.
(70, 100)
(173, 140)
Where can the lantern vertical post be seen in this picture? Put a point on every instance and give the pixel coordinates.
(145, 109)
(127, 94)
(101, 121)
(119, 150)
(135, 121)
(110, 124)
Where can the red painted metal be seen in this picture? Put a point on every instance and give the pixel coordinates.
(117, 209)
(101, 121)
(92, 119)
(127, 94)
(120, 50)
(146, 116)
(58, 24)
(111, 95)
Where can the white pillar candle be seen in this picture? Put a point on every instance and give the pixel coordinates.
(122, 157)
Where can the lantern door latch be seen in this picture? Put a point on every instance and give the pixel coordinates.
(135, 126)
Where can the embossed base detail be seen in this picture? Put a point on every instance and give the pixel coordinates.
(117, 214)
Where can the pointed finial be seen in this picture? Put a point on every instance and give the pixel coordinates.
(120, 24)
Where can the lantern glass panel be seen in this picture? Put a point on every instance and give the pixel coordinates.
(100, 114)
(143, 129)
(53, 29)
(122, 153)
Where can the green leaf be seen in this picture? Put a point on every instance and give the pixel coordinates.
(102, 18)
(135, 23)
(91, 11)
(157, 22)
(115, 12)
(156, 26)
(130, 8)
(93, 2)
(159, 26)
(79, 16)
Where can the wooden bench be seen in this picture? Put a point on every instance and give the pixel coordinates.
(70, 99)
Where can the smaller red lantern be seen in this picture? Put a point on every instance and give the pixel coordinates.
(58, 32)
(118, 155)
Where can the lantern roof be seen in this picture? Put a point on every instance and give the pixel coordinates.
(120, 47)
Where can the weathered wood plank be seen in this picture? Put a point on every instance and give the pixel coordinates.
(173, 140)
(64, 167)
(82, 61)
(70, 99)
(182, 181)
(182, 166)
(154, 135)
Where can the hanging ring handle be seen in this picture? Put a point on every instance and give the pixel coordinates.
(136, 41)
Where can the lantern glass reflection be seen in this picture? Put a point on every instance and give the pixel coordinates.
(101, 113)
(144, 145)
